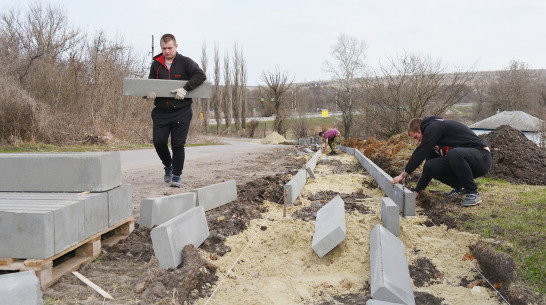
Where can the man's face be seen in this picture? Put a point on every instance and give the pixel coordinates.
(169, 50)
(417, 135)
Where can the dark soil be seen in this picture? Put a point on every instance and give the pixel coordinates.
(137, 245)
(515, 158)
(234, 217)
(352, 203)
(442, 210)
(425, 298)
(423, 272)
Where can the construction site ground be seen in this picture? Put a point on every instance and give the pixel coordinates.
(278, 266)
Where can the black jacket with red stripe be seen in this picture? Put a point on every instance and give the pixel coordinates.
(182, 68)
(437, 131)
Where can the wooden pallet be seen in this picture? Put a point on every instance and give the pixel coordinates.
(51, 269)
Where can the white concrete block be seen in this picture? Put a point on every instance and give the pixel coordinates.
(390, 216)
(293, 188)
(155, 211)
(389, 273)
(169, 238)
(120, 204)
(20, 288)
(216, 195)
(60, 172)
(330, 229)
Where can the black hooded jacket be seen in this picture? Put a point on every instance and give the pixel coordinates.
(182, 68)
(437, 131)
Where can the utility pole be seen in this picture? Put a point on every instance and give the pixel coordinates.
(152, 47)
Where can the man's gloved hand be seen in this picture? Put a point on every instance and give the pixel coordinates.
(180, 93)
(151, 96)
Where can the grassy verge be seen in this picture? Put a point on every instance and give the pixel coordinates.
(42, 148)
(513, 216)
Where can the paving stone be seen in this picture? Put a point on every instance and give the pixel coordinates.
(21, 288)
(312, 163)
(389, 273)
(120, 204)
(163, 87)
(293, 188)
(390, 216)
(169, 238)
(155, 211)
(60, 172)
(324, 160)
(405, 200)
(330, 228)
(216, 195)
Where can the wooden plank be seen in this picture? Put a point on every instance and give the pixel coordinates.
(6, 261)
(163, 88)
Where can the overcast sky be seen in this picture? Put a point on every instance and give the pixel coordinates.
(297, 35)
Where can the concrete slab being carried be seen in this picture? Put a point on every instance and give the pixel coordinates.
(163, 87)
(60, 172)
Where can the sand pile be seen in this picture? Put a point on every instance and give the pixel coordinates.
(515, 158)
(273, 138)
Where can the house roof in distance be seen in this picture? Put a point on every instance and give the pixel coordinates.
(516, 119)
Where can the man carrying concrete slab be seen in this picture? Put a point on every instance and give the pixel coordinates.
(172, 116)
(332, 137)
(454, 155)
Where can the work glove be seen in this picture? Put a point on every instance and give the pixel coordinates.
(151, 96)
(180, 93)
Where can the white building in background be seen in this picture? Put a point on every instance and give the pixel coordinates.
(532, 127)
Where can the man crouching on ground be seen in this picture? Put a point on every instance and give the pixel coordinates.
(332, 137)
(454, 155)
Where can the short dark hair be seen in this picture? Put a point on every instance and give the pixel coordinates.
(320, 133)
(414, 125)
(167, 37)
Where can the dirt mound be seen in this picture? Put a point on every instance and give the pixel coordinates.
(273, 138)
(515, 158)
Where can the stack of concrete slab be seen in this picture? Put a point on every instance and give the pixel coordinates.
(293, 188)
(21, 288)
(42, 210)
(389, 273)
(330, 228)
(402, 197)
(310, 141)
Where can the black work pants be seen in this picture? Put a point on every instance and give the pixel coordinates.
(457, 169)
(176, 124)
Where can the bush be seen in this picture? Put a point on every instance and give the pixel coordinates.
(252, 127)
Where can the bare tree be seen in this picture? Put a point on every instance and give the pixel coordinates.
(216, 93)
(237, 90)
(276, 89)
(347, 66)
(205, 103)
(244, 91)
(42, 33)
(512, 89)
(227, 94)
(409, 87)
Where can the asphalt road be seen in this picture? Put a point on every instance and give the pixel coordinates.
(145, 158)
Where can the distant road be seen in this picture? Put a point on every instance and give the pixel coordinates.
(144, 158)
